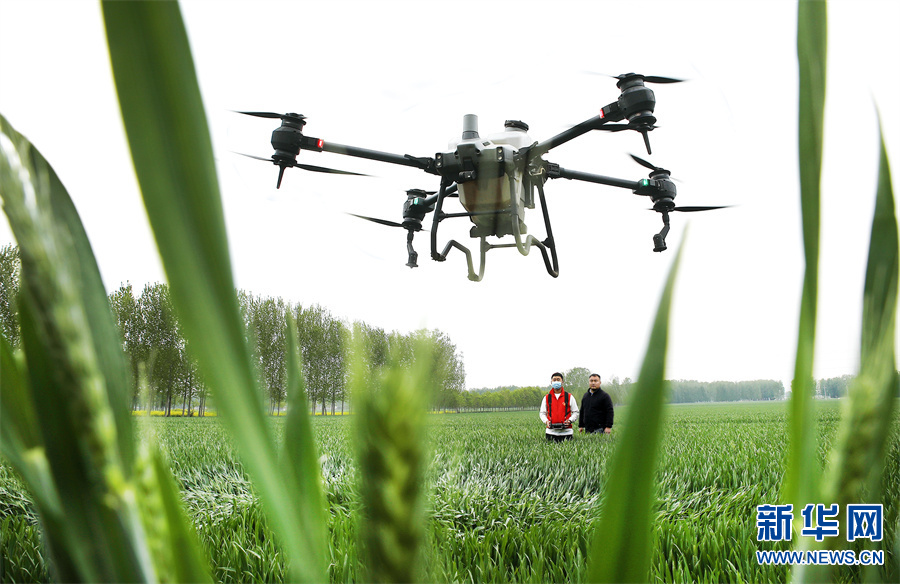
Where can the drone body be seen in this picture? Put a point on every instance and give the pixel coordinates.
(497, 183)
(497, 176)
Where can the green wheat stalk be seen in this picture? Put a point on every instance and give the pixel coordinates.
(859, 449)
(390, 438)
(78, 457)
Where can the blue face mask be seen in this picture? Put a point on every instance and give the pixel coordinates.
(556, 384)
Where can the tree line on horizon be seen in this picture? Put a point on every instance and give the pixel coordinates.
(156, 350)
(680, 391)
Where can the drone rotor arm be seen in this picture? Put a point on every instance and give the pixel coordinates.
(556, 171)
(422, 163)
(594, 123)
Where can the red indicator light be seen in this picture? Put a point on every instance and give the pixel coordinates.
(321, 144)
(602, 115)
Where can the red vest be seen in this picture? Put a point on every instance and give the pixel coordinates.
(558, 415)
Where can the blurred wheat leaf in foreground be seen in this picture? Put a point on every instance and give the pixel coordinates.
(78, 457)
(170, 145)
(622, 535)
(857, 459)
(802, 475)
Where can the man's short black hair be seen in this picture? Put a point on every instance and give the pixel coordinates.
(597, 375)
(558, 374)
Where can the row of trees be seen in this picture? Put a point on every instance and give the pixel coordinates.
(834, 386)
(152, 341)
(156, 351)
(165, 376)
(725, 391)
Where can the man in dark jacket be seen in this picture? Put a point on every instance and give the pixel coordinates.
(596, 413)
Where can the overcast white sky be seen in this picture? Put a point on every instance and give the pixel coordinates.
(399, 76)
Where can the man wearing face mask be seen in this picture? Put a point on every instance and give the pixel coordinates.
(558, 409)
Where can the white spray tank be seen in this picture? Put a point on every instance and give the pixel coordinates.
(493, 188)
(515, 133)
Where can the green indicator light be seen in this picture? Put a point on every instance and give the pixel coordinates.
(645, 182)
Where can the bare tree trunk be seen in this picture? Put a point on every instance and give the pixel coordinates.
(190, 393)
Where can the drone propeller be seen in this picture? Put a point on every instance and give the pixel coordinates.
(282, 164)
(379, 221)
(411, 228)
(645, 164)
(646, 78)
(418, 204)
(694, 209)
(273, 115)
(643, 128)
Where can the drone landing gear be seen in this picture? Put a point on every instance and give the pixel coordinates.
(445, 191)
(550, 262)
(485, 246)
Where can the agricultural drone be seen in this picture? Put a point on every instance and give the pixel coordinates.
(495, 178)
